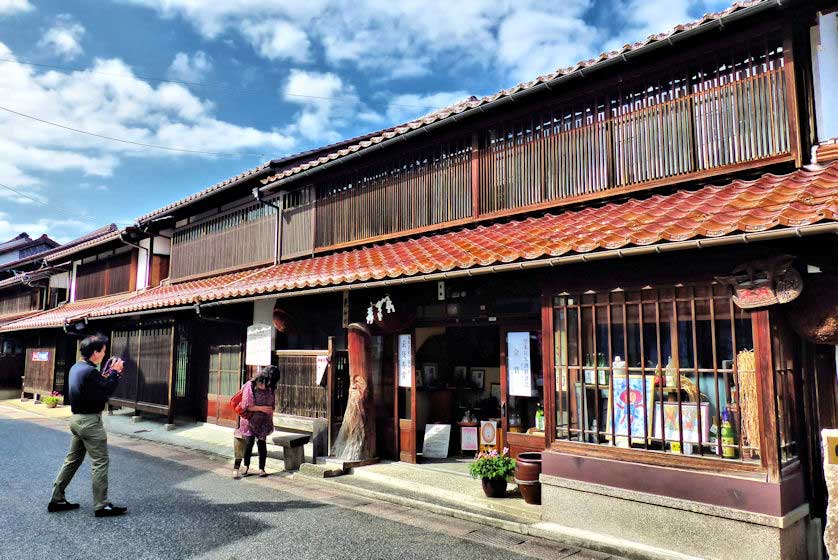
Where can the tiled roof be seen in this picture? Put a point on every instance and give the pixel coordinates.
(95, 237)
(8, 318)
(251, 172)
(475, 103)
(27, 277)
(58, 317)
(799, 198)
(171, 295)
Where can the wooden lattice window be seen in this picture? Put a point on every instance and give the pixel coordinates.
(658, 369)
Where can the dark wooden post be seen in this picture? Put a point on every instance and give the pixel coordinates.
(356, 439)
(766, 396)
(475, 175)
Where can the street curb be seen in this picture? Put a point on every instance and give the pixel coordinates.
(548, 531)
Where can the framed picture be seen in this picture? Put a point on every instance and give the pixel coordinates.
(671, 422)
(460, 374)
(428, 374)
(496, 391)
(630, 407)
(478, 378)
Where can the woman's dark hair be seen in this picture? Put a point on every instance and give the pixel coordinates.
(269, 376)
(91, 344)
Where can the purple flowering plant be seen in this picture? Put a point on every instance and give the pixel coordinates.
(491, 464)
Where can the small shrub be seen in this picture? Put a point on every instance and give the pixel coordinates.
(55, 399)
(491, 464)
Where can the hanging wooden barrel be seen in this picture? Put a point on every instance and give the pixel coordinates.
(814, 315)
(527, 469)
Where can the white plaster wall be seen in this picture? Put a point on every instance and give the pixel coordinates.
(824, 39)
(73, 281)
(60, 280)
(143, 264)
(263, 312)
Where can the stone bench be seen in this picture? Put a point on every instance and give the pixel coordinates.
(293, 453)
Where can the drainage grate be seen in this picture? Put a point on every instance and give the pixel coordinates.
(496, 537)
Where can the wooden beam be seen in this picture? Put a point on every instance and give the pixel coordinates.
(791, 94)
(767, 394)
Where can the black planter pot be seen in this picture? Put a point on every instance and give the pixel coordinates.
(494, 487)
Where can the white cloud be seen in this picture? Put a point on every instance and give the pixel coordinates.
(326, 103)
(107, 99)
(9, 7)
(398, 40)
(190, 68)
(277, 39)
(406, 107)
(62, 230)
(63, 39)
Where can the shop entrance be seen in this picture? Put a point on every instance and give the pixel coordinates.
(464, 378)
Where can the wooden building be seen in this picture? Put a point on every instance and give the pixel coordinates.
(628, 265)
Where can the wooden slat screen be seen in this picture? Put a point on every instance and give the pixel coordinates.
(147, 352)
(298, 393)
(297, 234)
(237, 238)
(18, 300)
(428, 187)
(106, 276)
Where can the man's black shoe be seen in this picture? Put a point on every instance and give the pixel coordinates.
(61, 505)
(111, 510)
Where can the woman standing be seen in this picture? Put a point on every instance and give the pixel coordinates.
(259, 399)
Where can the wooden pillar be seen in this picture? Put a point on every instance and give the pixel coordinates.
(548, 367)
(475, 175)
(356, 439)
(767, 395)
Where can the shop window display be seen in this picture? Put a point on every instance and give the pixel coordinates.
(667, 369)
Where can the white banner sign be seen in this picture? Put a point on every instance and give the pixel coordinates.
(259, 345)
(519, 369)
(322, 365)
(437, 438)
(405, 361)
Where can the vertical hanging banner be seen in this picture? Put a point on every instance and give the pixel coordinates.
(322, 364)
(519, 369)
(405, 360)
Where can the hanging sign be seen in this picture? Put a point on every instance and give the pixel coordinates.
(405, 360)
(322, 365)
(259, 345)
(437, 438)
(40, 356)
(519, 370)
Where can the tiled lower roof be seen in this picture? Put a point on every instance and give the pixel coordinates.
(167, 295)
(799, 198)
(58, 317)
(8, 318)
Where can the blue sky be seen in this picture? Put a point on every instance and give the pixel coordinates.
(258, 79)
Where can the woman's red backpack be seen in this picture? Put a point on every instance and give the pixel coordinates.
(236, 402)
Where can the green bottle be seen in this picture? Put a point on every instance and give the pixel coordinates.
(728, 438)
(539, 418)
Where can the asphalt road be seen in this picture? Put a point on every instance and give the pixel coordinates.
(177, 511)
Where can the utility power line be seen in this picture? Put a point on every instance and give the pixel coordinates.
(124, 141)
(65, 211)
(203, 84)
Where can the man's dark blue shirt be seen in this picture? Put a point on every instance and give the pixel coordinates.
(88, 389)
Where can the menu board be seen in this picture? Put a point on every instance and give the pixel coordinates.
(468, 438)
(437, 439)
(405, 360)
(322, 365)
(518, 364)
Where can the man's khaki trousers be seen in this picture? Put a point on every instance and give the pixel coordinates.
(88, 436)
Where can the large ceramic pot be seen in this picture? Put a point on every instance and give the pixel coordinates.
(494, 487)
(527, 469)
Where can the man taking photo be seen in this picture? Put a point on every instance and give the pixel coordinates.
(88, 391)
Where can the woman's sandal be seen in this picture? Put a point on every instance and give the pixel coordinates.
(245, 471)
(262, 474)
(236, 474)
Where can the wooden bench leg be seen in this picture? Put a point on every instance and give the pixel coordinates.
(293, 457)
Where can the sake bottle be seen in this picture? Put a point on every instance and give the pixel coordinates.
(728, 438)
(539, 417)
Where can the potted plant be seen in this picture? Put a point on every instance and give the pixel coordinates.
(53, 399)
(493, 469)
